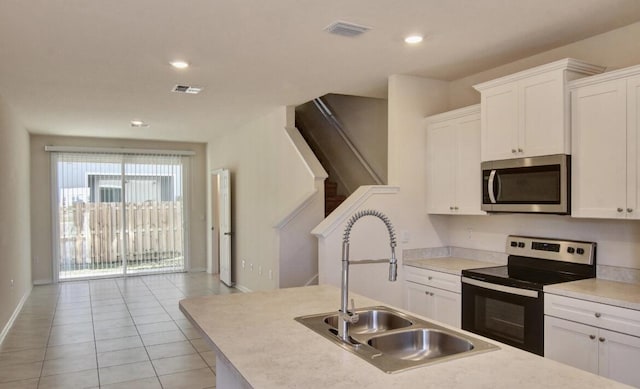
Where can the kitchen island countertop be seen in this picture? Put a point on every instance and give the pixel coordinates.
(256, 338)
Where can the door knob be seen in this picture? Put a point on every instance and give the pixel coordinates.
(620, 209)
(598, 314)
(520, 150)
(601, 339)
(513, 151)
(629, 210)
(592, 337)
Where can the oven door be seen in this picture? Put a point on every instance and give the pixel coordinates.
(509, 315)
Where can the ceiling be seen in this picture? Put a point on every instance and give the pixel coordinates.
(88, 67)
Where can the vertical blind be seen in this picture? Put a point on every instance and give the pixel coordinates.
(119, 213)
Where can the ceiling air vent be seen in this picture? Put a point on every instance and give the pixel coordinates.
(346, 29)
(193, 90)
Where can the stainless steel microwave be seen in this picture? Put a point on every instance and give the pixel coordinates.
(527, 185)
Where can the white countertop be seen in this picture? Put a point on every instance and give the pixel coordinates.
(256, 333)
(616, 293)
(451, 265)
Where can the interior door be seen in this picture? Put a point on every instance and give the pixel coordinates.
(225, 232)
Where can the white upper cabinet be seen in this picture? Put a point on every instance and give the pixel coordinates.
(453, 162)
(605, 125)
(526, 114)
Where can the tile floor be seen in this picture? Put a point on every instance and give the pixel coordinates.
(110, 333)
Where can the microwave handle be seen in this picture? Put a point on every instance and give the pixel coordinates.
(492, 177)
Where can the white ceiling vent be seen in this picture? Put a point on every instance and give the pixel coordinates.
(193, 90)
(346, 28)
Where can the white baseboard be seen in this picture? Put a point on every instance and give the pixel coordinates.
(42, 282)
(14, 316)
(243, 289)
(197, 269)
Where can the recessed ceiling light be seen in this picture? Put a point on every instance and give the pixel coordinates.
(413, 39)
(139, 124)
(179, 64)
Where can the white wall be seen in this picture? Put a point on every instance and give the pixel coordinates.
(15, 234)
(618, 241)
(411, 99)
(614, 49)
(41, 233)
(268, 180)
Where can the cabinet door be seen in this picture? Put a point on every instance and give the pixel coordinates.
(633, 148)
(599, 162)
(499, 122)
(441, 156)
(619, 356)
(468, 173)
(417, 299)
(542, 125)
(571, 343)
(446, 306)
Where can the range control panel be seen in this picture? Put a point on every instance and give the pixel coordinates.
(553, 249)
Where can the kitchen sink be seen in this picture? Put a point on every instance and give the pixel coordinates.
(372, 321)
(420, 344)
(394, 341)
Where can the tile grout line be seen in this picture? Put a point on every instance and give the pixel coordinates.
(138, 331)
(173, 320)
(95, 342)
(46, 346)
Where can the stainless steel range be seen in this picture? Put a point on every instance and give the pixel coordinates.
(506, 303)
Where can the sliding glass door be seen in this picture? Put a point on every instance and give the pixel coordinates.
(118, 214)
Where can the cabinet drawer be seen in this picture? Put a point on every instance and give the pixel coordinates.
(598, 315)
(436, 279)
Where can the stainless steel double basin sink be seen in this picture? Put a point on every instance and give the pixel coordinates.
(394, 341)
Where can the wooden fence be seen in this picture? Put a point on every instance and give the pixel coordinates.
(91, 233)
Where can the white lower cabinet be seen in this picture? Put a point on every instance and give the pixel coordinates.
(422, 298)
(598, 350)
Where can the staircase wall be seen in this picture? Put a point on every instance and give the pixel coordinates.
(365, 123)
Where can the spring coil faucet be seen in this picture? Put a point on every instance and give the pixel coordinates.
(347, 317)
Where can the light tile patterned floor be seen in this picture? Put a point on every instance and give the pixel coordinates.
(110, 333)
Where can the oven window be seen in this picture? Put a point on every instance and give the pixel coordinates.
(500, 318)
(531, 185)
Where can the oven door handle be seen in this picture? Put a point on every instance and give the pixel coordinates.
(501, 288)
(492, 177)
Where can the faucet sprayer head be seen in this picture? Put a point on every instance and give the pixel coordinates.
(393, 271)
(393, 265)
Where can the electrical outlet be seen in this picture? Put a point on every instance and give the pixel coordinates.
(406, 236)
(12, 283)
(270, 274)
(259, 270)
(251, 267)
(243, 263)
(469, 233)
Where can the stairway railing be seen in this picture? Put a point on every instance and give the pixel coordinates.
(335, 123)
